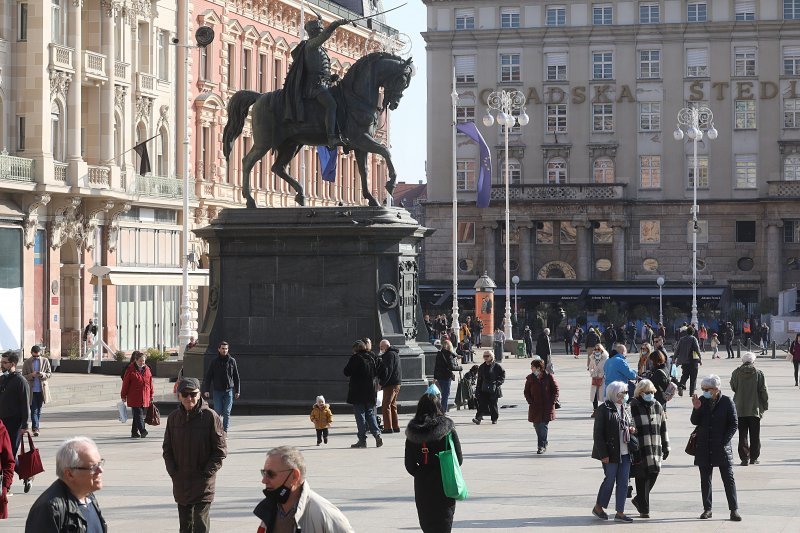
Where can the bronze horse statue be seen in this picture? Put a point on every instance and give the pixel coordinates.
(357, 95)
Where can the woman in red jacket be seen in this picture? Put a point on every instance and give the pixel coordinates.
(6, 470)
(137, 392)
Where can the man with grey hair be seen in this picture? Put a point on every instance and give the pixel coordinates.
(290, 504)
(752, 399)
(69, 503)
(543, 349)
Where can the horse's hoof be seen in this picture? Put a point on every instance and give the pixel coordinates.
(374, 203)
(390, 186)
(251, 204)
(300, 199)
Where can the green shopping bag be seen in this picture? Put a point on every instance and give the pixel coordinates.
(452, 479)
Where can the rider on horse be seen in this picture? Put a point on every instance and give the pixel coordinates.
(310, 77)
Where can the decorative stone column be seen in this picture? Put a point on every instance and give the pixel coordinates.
(583, 241)
(525, 259)
(774, 256)
(489, 246)
(77, 169)
(618, 250)
(107, 92)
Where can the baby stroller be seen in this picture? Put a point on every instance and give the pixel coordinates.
(465, 392)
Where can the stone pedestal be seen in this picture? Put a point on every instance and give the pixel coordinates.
(291, 289)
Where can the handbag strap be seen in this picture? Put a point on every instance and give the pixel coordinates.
(31, 447)
(424, 453)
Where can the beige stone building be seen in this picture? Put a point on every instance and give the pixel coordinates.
(81, 83)
(601, 192)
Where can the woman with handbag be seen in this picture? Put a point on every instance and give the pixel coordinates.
(596, 367)
(137, 391)
(490, 378)
(714, 414)
(541, 392)
(651, 431)
(614, 441)
(428, 434)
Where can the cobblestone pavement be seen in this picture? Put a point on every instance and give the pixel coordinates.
(511, 488)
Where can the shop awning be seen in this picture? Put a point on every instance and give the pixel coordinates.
(153, 276)
(708, 293)
(442, 294)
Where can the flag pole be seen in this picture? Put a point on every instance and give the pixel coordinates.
(133, 148)
(455, 324)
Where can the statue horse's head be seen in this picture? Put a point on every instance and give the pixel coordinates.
(397, 82)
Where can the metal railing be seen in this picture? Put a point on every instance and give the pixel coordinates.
(160, 187)
(13, 168)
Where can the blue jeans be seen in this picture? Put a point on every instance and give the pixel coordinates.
(223, 402)
(365, 416)
(616, 473)
(444, 387)
(37, 400)
(541, 433)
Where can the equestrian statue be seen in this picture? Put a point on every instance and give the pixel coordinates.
(315, 108)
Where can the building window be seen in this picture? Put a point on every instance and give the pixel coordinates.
(650, 116)
(602, 65)
(465, 19)
(466, 233)
(602, 15)
(745, 114)
(262, 73)
(58, 21)
(556, 118)
(602, 117)
(22, 21)
(745, 9)
(58, 138)
(556, 16)
(650, 171)
(510, 67)
(603, 170)
(791, 9)
(649, 14)
(745, 231)
(231, 66)
(465, 69)
(556, 64)
(696, 12)
(465, 113)
(744, 61)
(465, 174)
(163, 55)
(791, 113)
(746, 171)
(204, 69)
(791, 231)
(277, 73)
(205, 138)
(557, 171)
(702, 171)
(649, 64)
(509, 17)
(514, 172)
(791, 60)
(697, 62)
(246, 55)
(791, 168)
(20, 134)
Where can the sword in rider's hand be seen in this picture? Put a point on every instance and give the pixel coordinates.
(376, 14)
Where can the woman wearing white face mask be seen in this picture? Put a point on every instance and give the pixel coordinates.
(714, 414)
(595, 365)
(651, 429)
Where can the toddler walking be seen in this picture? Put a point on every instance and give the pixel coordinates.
(322, 417)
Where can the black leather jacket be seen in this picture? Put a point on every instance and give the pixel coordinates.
(56, 510)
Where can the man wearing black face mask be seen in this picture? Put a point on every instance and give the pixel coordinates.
(290, 504)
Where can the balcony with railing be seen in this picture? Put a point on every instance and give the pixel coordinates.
(160, 187)
(99, 177)
(19, 169)
(94, 66)
(784, 189)
(121, 72)
(60, 172)
(146, 85)
(568, 192)
(62, 57)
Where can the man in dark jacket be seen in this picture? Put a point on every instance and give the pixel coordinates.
(688, 355)
(391, 386)
(193, 450)
(15, 399)
(361, 369)
(592, 339)
(609, 337)
(69, 505)
(222, 380)
(543, 349)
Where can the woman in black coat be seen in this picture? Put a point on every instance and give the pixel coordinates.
(714, 414)
(443, 371)
(487, 388)
(426, 435)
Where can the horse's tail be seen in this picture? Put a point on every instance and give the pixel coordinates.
(238, 108)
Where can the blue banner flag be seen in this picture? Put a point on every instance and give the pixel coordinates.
(327, 162)
(485, 176)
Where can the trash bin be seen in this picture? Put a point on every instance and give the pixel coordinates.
(521, 349)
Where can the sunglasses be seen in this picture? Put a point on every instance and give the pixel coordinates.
(188, 394)
(271, 474)
(91, 468)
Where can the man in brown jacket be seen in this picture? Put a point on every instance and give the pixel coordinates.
(194, 447)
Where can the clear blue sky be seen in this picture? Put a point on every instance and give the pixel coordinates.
(409, 121)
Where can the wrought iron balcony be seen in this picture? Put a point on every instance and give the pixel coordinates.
(160, 187)
(14, 168)
(571, 192)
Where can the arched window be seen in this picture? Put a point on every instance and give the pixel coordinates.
(162, 153)
(603, 170)
(514, 171)
(791, 168)
(556, 171)
(58, 123)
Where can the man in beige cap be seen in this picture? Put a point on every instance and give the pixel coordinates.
(194, 442)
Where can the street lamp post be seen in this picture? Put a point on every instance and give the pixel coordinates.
(454, 98)
(505, 103)
(690, 118)
(660, 282)
(515, 281)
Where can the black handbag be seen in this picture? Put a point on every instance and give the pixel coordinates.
(633, 444)
(691, 446)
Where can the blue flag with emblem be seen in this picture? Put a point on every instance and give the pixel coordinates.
(327, 162)
(485, 175)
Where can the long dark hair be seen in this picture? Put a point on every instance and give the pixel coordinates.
(429, 406)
